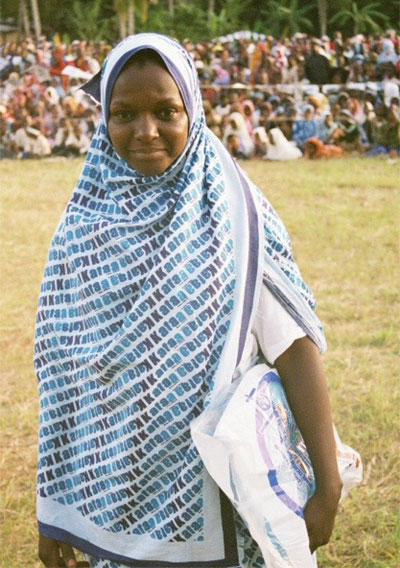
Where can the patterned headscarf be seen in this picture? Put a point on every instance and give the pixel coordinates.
(146, 302)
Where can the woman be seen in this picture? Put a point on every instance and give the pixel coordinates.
(305, 128)
(327, 127)
(236, 127)
(152, 299)
(314, 149)
(279, 148)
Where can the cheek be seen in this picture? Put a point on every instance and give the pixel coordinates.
(112, 134)
(179, 136)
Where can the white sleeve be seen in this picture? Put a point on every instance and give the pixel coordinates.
(274, 328)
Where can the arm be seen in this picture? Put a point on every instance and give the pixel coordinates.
(300, 369)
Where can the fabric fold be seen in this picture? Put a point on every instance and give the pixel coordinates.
(148, 294)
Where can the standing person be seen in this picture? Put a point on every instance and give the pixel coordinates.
(163, 280)
(318, 69)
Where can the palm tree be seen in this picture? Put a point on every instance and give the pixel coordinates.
(86, 21)
(211, 9)
(36, 18)
(126, 11)
(322, 16)
(290, 16)
(364, 18)
(24, 18)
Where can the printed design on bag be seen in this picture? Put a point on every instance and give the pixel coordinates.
(281, 445)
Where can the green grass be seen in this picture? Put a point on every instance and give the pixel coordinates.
(343, 217)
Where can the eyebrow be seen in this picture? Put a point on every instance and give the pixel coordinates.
(162, 102)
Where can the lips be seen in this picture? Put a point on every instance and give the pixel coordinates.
(146, 151)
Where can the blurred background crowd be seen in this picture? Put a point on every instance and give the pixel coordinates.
(264, 96)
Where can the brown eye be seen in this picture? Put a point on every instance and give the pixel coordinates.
(167, 113)
(122, 114)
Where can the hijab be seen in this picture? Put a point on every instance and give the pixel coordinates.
(237, 125)
(147, 298)
(280, 148)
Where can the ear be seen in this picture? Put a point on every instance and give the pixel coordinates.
(92, 87)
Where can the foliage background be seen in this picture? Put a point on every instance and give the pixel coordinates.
(205, 19)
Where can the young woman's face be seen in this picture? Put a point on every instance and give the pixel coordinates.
(148, 124)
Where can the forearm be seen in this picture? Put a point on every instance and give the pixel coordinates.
(302, 375)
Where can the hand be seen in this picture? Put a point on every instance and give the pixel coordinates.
(55, 554)
(319, 515)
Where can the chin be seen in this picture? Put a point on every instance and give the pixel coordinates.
(150, 169)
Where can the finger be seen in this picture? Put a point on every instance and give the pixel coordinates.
(312, 542)
(68, 555)
(48, 551)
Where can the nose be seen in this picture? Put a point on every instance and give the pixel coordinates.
(145, 127)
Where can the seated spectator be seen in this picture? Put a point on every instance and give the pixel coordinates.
(305, 128)
(5, 141)
(60, 148)
(31, 143)
(248, 112)
(391, 88)
(232, 143)
(223, 107)
(213, 119)
(279, 148)
(314, 148)
(76, 142)
(368, 124)
(261, 142)
(386, 138)
(236, 126)
(348, 133)
(327, 127)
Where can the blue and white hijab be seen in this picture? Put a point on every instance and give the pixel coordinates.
(147, 299)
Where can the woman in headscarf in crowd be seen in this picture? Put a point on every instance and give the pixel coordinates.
(314, 149)
(385, 133)
(236, 126)
(326, 127)
(213, 119)
(304, 128)
(261, 142)
(348, 133)
(248, 111)
(168, 273)
(279, 148)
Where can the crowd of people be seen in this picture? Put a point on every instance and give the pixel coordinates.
(264, 97)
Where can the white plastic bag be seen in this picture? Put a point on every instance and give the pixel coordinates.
(253, 449)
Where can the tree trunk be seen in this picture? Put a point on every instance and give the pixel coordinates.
(131, 17)
(322, 16)
(24, 18)
(171, 7)
(211, 8)
(122, 25)
(36, 18)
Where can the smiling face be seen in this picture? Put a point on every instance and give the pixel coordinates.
(148, 124)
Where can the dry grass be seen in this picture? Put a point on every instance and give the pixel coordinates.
(343, 218)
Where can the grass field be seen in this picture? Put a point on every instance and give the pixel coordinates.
(343, 218)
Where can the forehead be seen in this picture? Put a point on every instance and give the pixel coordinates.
(176, 59)
(139, 81)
